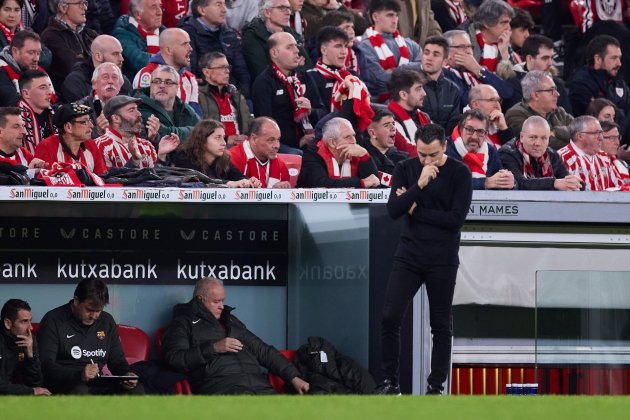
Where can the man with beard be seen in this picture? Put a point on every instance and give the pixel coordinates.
(35, 106)
(474, 149)
(175, 51)
(121, 146)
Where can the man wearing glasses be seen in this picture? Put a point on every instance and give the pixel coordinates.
(540, 97)
(583, 156)
(469, 144)
(486, 99)
(67, 37)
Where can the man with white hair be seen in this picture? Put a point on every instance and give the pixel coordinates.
(534, 164)
(583, 156)
(337, 161)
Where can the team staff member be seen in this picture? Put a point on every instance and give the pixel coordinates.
(20, 370)
(433, 193)
(77, 339)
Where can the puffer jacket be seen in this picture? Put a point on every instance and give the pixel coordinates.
(188, 348)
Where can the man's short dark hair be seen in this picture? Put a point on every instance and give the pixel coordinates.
(380, 5)
(472, 114)
(337, 18)
(533, 43)
(403, 79)
(207, 59)
(381, 112)
(330, 33)
(6, 111)
(19, 39)
(27, 77)
(195, 4)
(11, 308)
(599, 46)
(608, 125)
(94, 290)
(439, 41)
(522, 19)
(428, 133)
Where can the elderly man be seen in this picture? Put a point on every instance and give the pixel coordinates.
(11, 139)
(257, 158)
(217, 351)
(584, 158)
(121, 145)
(37, 113)
(105, 49)
(139, 34)
(72, 144)
(470, 145)
(20, 367)
(274, 18)
(540, 97)
(175, 51)
(67, 37)
(221, 101)
(535, 165)
(209, 33)
(83, 325)
(383, 48)
(464, 70)
(486, 99)
(160, 100)
(337, 161)
(611, 144)
(287, 94)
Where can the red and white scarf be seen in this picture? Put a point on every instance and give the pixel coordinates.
(63, 174)
(405, 125)
(20, 157)
(268, 173)
(544, 162)
(385, 55)
(8, 33)
(34, 134)
(295, 89)
(349, 167)
(352, 62)
(358, 93)
(117, 154)
(468, 78)
(298, 23)
(15, 77)
(456, 11)
(152, 38)
(188, 86)
(478, 161)
(227, 112)
(489, 53)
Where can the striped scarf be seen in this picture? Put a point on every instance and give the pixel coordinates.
(352, 62)
(489, 53)
(405, 125)
(349, 167)
(34, 133)
(468, 78)
(152, 38)
(295, 89)
(385, 55)
(544, 162)
(477, 161)
(456, 11)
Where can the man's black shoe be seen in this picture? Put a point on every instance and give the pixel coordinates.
(433, 391)
(388, 387)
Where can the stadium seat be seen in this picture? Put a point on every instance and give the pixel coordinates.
(577, 11)
(294, 163)
(534, 7)
(35, 326)
(277, 382)
(135, 342)
(181, 387)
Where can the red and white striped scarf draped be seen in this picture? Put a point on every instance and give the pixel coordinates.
(478, 161)
(359, 93)
(468, 78)
(385, 55)
(227, 112)
(268, 173)
(348, 169)
(33, 131)
(408, 127)
(352, 62)
(456, 11)
(63, 174)
(295, 89)
(298, 23)
(15, 77)
(544, 162)
(8, 33)
(489, 53)
(117, 154)
(597, 171)
(152, 38)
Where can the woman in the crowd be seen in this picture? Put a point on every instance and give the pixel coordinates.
(602, 109)
(205, 151)
(10, 19)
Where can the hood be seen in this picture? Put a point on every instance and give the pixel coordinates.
(5, 55)
(194, 308)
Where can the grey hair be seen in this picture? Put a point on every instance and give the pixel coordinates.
(54, 5)
(491, 11)
(449, 35)
(264, 5)
(97, 71)
(532, 82)
(202, 287)
(579, 124)
(535, 120)
(165, 68)
(135, 6)
(332, 128)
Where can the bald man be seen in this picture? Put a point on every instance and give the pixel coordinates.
(175, 51)
(78, 84)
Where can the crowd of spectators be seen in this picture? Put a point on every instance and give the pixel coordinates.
(346, 84)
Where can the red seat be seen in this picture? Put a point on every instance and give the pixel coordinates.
(277, 382)
(181, 387)
(35, 326)
(135, 343)
(294, 164)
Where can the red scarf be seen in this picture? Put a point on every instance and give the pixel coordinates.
(226, 112)
(63, 174)
(152, 38)
(405, 125)
(456, 11)
(385, 55)
(348, 169)
(544, 162)
(468, 78)
(358, 94)
(477, 161)
(294, 87)
(489, 53)
(33, 131)
(352, 63)
(8, 33)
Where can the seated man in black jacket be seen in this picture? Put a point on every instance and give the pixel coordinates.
(217, 351)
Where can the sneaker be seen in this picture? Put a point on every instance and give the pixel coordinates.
(433, 391)
(388, 387)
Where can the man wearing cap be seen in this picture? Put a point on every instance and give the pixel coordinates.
(72, 144)
(121, 146)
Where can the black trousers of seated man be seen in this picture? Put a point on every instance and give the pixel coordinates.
(404, 282)
(82, 388)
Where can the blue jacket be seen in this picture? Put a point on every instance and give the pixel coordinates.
(494, 163)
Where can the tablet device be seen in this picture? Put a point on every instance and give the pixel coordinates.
(109, 380)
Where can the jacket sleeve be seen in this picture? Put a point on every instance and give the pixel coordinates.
(512, 162)
(515, 117)
(72, 88)
(372, 73)
(579, 96)
(245, 114)
(134, 53)
(263, 98)
(239, 66)
(55, 373)
(64, 57)
(561, 130)
(182, 352)
(8, 92)
(503, 88)
(314, 174)
(398, 205)
(255, 54)
(116, 361)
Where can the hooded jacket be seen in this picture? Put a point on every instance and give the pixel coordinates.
(10, 72)
(188, 348)
(18, 373)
